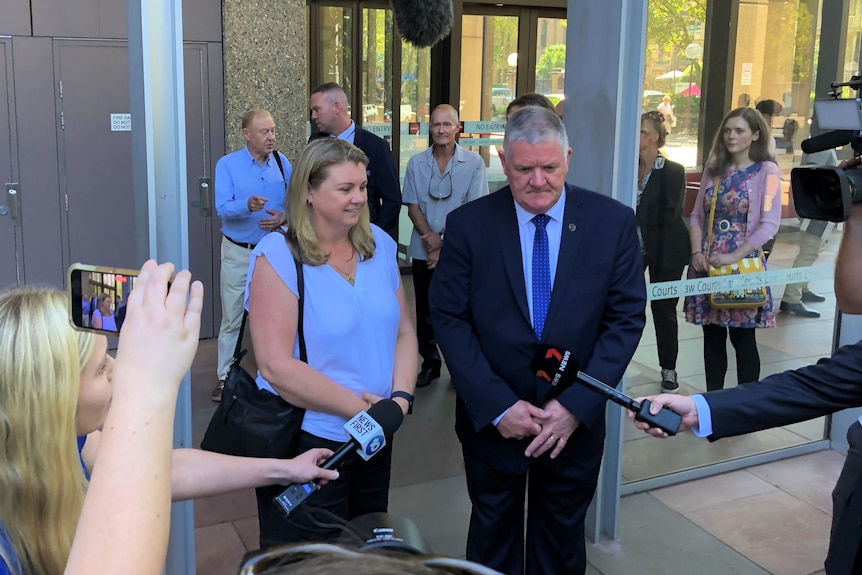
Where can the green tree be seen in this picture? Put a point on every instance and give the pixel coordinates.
(668, 23)
(553, 57)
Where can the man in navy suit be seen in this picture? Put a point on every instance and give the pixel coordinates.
(329, 112)
(536, 262)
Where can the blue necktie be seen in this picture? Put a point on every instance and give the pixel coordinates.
(541, 274)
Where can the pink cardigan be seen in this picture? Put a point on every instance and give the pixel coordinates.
(764, 200)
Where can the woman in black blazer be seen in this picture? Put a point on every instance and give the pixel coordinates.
(663, 234)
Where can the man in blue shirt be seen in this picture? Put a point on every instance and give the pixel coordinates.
(250, 186)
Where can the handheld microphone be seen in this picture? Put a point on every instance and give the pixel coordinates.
(560, 368)
(423, 22)
(827, 141)
(366, 436)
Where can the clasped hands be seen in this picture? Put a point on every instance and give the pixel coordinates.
(552, 426)
(432, 244)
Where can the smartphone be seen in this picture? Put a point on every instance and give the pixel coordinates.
(98, 297)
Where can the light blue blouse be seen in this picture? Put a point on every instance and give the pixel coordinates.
(350, 330)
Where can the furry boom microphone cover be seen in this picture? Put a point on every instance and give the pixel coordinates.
(423, 23)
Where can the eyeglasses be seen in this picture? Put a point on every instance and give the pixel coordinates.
(440, 192)
(272, 561)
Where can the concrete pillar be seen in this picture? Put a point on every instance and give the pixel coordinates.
(265, 67)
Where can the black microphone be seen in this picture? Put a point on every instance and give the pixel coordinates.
(827, 141)
(560, 368)
(423, 23)
(367, 433)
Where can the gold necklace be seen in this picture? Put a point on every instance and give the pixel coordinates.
(349, 276)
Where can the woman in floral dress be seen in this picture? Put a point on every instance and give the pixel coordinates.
(747, 214)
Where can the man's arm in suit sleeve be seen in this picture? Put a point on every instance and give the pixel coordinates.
(484, 393)
(830, 385)
(623, 319)
(386, 183)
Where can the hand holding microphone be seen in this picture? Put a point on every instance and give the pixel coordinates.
(560, 368)
(681, 404)
(366, 432)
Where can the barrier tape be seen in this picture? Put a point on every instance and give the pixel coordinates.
(706, 285)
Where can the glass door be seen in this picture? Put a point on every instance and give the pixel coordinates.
(386, 81)
(506, 52)
(489, 81)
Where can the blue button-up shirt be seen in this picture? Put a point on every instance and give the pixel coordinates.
(238, 176)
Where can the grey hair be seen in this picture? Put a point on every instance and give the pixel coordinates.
(534, 124)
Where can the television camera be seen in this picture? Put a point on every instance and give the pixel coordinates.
(826, 192)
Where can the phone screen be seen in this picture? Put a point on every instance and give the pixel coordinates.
(98, 297)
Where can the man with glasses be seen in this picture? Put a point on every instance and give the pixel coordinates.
(438, 180)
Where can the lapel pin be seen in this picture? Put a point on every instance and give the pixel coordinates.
(572, 227)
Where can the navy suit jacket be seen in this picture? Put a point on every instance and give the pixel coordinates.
(831, 385)
(384, 191)
(480, 315)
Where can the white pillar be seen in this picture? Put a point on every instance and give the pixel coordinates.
(161, 206)
(605, 43)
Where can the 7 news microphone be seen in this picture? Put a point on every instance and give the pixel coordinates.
(366, 436)
(559, 367)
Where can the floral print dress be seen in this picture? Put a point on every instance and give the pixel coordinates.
(728, 233)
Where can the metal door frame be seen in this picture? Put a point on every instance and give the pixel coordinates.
(14, 168)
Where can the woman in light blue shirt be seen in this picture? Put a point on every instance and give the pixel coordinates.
(359, 338)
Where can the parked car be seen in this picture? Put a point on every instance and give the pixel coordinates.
(369, 113)
(500, 98)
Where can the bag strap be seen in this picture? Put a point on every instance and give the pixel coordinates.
(277, 157)
(300, 287)
(300, 332)
(715, 192)
(236, 350)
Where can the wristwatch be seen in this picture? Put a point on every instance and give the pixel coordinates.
(404, 395)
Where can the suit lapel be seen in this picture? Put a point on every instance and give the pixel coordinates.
(510, 245)
(571, 245)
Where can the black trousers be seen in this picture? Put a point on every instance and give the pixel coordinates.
(362, 487)
(558, 493)
(715, 354)
(424, 332)
(665, 319)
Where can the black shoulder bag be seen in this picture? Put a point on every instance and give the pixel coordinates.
(253, 422)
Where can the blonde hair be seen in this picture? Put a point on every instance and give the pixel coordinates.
(310, 171)
(41, 476)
